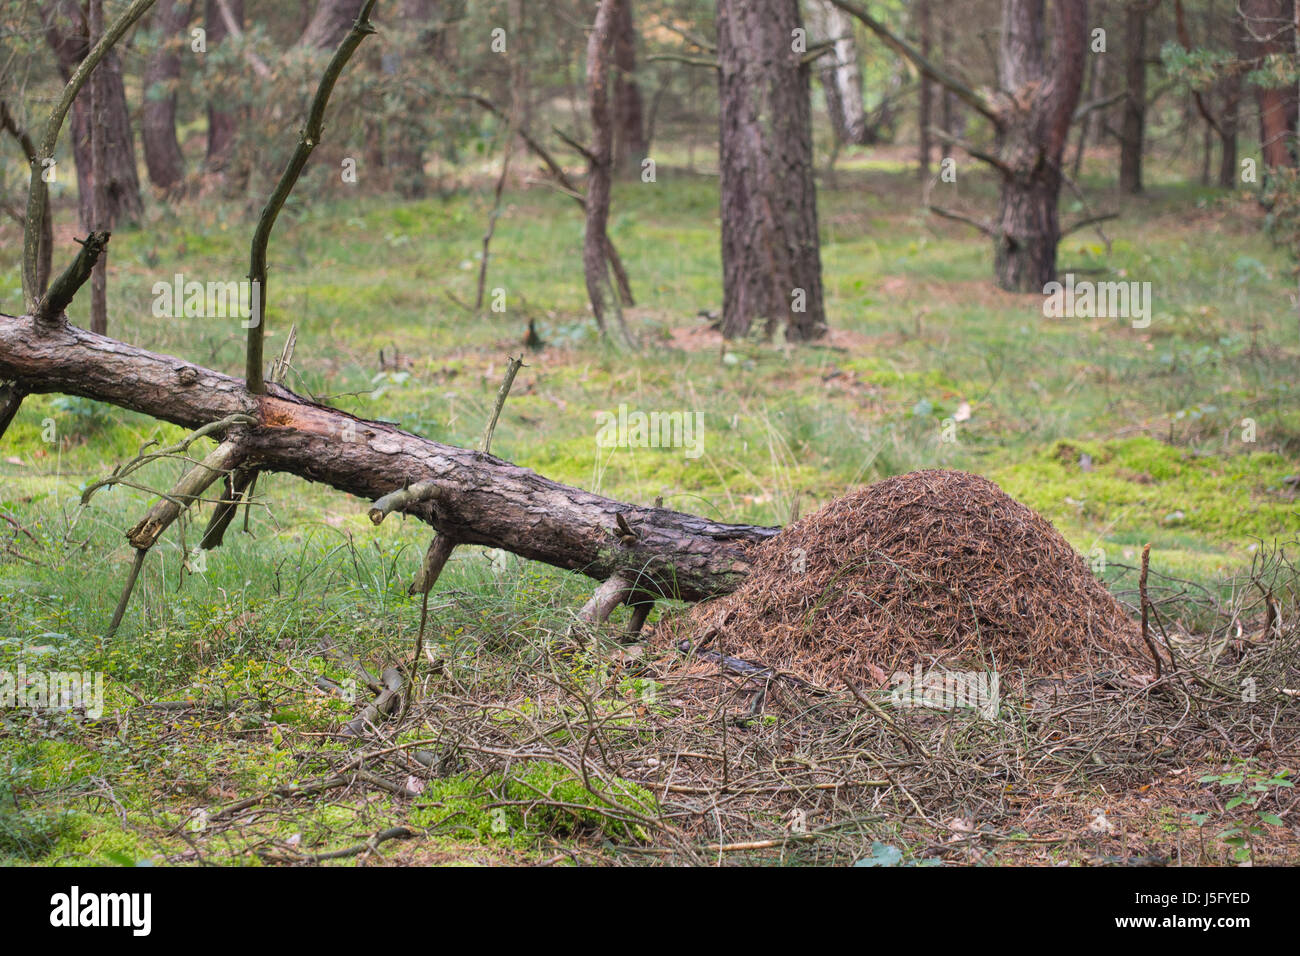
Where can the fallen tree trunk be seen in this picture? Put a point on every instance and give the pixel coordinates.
(470, 497)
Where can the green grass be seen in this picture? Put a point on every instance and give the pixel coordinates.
(918, 331)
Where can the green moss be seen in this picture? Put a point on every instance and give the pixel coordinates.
(1199, 509)
(92, 839)
(542, 798)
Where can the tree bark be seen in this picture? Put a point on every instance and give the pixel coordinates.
(1268, 25)
(1035, 114)
(1230, 124)
(948, 102)
(1093, 73)
(839, 72)
(222, 123)
(162, 151)
(771, 259)
(472, 498)
(630, 146)
(923, 119)
(600, 169)
(1031, 112)
(67, 31)
(1133, 123)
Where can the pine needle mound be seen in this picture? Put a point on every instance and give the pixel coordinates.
(928, 567)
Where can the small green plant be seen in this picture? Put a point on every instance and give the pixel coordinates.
(882, 854)
(1248, 787)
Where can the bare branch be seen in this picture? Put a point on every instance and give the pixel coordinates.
(1098, 104)
(970, 149)
(311, 135)
(928, 69)
(983, 227)
(573, 144)
(682, 58)
(1089, 221)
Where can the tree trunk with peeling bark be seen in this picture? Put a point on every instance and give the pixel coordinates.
(771, 256)
(474, 498)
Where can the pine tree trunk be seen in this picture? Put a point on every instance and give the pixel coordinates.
(1230, 124)
(923, 118)
(771, 260)
(67, 31)
(1133, 124)
(1269, 19)
(630, 146)
(222, 123)
(1035, 119)
(411, 134)
(1029, 231)
(162, 152)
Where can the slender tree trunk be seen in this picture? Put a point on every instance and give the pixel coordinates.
(1267, 22)
(948, 102)
(99, 171)
(223, 123)
(1035, 115)
(771, 259)
(1085, 124)
(839, 72)
(162, 152)
(923, 119)
(630, 146)
(596, 242)
(1102, 128)
(1230, 123)
(67, 31)
(1207, 150)
(1133, 124)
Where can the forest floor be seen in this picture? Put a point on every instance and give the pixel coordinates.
(539, 743)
